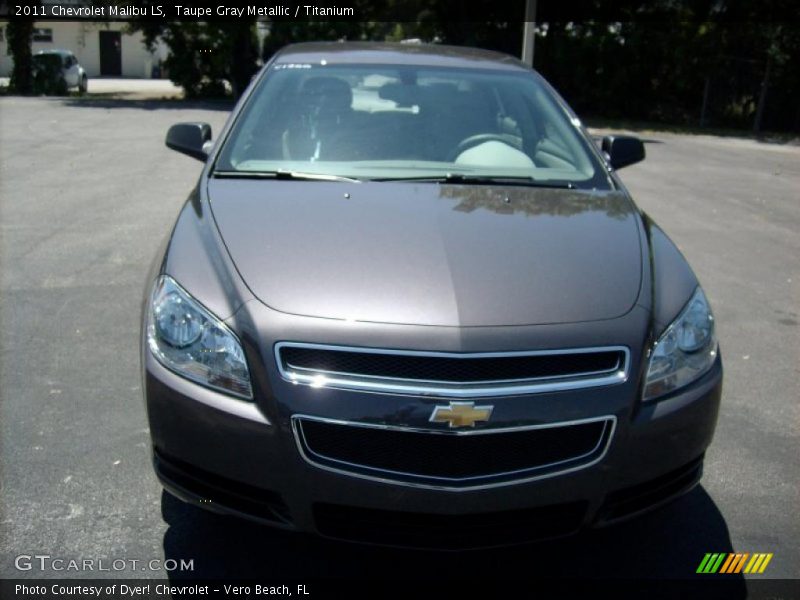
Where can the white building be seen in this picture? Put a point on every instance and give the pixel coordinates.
(101, 48)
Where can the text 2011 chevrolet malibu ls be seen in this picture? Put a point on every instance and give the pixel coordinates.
(410, 302)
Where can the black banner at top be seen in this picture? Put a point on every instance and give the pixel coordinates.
(377, 10)
(187, 11)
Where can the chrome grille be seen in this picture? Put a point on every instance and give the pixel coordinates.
(450, 374)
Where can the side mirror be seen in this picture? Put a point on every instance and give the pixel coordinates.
(190, 139)
(623, 150)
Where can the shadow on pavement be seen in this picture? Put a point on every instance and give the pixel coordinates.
(108, 102)
(668, 543)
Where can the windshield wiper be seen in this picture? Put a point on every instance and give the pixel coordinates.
(485, 180)
(281, 174)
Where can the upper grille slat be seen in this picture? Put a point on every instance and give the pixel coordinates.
(450, 370)
(450, 374)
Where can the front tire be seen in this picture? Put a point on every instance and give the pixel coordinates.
(83, 85)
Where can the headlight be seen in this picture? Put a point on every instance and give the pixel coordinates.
(185, 337)
(685, 351)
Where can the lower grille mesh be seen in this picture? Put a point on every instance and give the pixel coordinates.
(450, 458)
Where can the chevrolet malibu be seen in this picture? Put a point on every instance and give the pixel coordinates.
(410, 302)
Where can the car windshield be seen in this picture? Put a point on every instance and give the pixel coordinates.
(47, 61)
(401, 122)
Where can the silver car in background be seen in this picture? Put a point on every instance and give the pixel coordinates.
(73, 74)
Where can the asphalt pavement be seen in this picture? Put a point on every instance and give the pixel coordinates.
(87, 193)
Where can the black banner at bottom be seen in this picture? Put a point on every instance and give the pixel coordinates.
(466, 584)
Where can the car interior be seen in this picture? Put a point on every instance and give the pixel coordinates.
(408, 116)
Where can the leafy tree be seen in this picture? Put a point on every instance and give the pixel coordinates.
(736, 63)
(421, 21)
(675, 60)
(203, 56)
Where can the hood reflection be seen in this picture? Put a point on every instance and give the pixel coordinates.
(536, 201)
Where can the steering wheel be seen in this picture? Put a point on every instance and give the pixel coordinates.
(477, 140)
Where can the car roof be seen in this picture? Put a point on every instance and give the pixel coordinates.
(55, 51)
(415, 54)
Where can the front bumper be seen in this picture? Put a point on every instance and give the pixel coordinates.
(233, 457)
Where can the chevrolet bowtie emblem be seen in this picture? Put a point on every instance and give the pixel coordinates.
(461, 414)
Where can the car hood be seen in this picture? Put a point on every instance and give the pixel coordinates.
(430, 254)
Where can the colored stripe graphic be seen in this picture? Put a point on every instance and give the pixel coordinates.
(711, 563)
(758, 563)
(740, 563)
(752, 563)
(716, 565)
(728, 563)
(703, 563)
(764, 564)
(733, 562)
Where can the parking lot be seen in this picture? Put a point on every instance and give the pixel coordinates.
(87, 193)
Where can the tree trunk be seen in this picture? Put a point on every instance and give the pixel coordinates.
(704, 109)
(245, 53)
(20, 32)
(762, 97)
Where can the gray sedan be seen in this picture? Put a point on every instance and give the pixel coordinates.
(410, 302)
